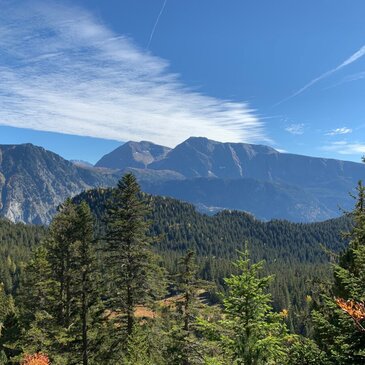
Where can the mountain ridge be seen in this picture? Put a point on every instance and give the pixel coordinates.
(325, 182)
(212, 175)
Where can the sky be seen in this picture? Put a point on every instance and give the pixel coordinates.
(82, 77)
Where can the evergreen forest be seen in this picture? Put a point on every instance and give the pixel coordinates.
(122, 277)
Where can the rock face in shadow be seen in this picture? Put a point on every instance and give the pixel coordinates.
(33, 182)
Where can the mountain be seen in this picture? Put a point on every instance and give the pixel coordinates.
(34, 181)
(212, 175)
(133, 154)
(253, 178)
(201, 157)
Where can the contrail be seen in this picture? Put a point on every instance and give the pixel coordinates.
(360, 53)
(156, 23)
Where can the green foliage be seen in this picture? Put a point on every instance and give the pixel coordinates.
(335, 331)
(138, 348)
(16, 241)
(8, 325)
(254, 333)
(304, 351)
(292, 251)
(184, 347)
(77, 295)
(60, 306)
(130, 263)
(36, 298)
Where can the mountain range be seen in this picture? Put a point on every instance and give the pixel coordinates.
(212, 175)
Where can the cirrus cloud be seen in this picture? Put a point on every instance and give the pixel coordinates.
(63, 71)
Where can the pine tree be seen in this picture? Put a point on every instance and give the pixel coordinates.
(335, 330)
(8, 326)
(89, 310)
(62, 282)
(62, 252)
(184, 345)
(36, 300)
(129, 258)
(252, 333)
(138, 348)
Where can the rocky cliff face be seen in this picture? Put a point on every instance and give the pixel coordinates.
(33, 182)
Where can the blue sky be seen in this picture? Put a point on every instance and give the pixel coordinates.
(80, 77)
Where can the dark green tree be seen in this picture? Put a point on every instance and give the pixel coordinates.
(335, 330)
(9, 330)
(129, 258)
(36, 300)
(88, 328)
(62, 282)
(62, 252)
(184, 346)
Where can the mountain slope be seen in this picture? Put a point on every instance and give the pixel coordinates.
(133, 154)
(263, 199)
(33, 182)
(289, 186)
(201, 157)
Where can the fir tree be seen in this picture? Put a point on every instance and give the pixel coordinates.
(335, 330)
(61, 246)
(129, 260)
(36, 299)
(8, 326)
(184, 345)
(252, 333)
(89, 309)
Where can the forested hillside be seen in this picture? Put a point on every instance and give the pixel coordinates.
(121, 277)
(297, 253)
(16, 242)
(294, 252)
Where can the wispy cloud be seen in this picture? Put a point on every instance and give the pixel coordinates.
(296, 129)
(61, 70)
(345, 148)
(337, 131)
(353, 58)
(349, 78)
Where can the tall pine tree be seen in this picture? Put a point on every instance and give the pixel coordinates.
(129, 258)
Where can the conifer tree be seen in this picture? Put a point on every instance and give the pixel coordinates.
(89, 309)
(129, 258)
(8, 329)
(335, 330)
(62, 282)
(252, 333)
(37, 299)
(184, 345)
(62, 254)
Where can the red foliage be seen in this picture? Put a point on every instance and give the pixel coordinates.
(36, 359)
(355, 309)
